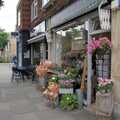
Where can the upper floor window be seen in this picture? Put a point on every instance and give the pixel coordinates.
(19, 18)
(34, 9)
(44, 2)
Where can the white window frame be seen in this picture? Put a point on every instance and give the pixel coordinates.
(34, 9)
(44, 2)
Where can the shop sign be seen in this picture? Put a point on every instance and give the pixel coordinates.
(38, 29)
(78, 8)
(115, 4)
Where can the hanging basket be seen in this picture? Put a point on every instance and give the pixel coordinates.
(104, 16)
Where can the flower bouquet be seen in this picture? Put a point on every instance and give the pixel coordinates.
(99, 46)
(104, 86)
(51, 93)
(41, 70)
(43, 67)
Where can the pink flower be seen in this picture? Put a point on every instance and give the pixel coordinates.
(98, 43)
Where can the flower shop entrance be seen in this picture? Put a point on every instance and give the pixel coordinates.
(99, 60)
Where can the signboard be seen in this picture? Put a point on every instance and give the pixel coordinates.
(115, 4)
(38, 29)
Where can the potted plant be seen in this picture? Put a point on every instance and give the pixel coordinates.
(104, 98)
(68, 102)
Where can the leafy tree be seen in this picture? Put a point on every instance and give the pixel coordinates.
(1, 3)
(3, 39)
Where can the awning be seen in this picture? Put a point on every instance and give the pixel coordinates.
(37, 38)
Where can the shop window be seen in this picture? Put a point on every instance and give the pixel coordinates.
(36, 53)
(43, 51)
(70, 45)
(18, 18)
(34, 10)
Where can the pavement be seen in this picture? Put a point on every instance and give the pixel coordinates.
(21, 101)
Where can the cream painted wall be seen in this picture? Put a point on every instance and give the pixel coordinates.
(116, 58)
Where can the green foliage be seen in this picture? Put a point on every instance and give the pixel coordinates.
(71, 73)
(104, 86)
(105, 89)
(54, 79)
(69, 102)
(3, 39)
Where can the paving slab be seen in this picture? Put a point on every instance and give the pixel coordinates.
(21, 101)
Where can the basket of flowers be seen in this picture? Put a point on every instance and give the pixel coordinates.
(100, 46)
(104, 98)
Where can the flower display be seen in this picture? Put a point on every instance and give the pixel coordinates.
(69, 102)
(104, 85)
(43, 67)
(65, 81)
(102, 44)
(41, 70)
(52, 91)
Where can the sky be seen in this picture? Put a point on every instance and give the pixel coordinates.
(8, 15)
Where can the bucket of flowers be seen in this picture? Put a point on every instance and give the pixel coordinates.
(65, 84)
(104, 98)
(42, 70)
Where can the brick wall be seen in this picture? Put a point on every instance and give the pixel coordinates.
(54, 7)
(25, 11)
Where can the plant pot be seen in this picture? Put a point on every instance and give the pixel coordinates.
(66, 90)
(104, 104)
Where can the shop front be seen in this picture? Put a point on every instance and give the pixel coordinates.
(38, 44)
(70, 38)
